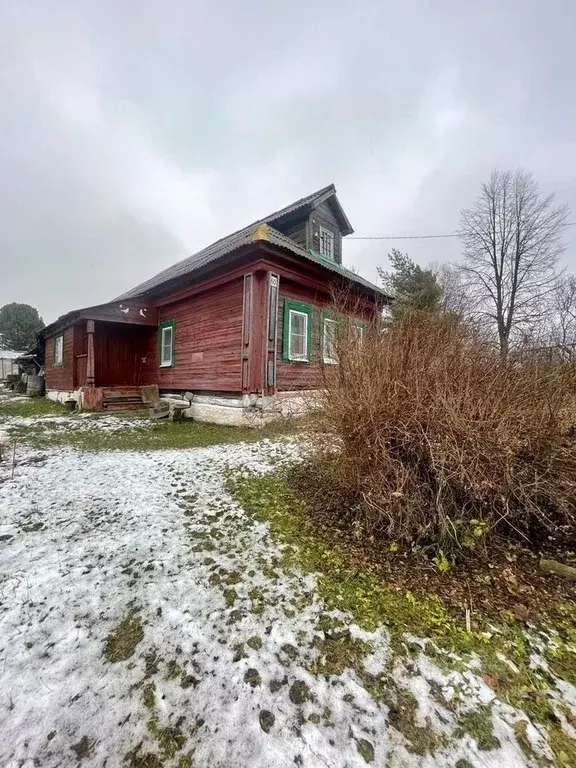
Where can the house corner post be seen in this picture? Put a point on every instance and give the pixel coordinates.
(90, 376)
(273, 288)
(258, 332)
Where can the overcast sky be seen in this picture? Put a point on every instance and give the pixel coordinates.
(135, 133)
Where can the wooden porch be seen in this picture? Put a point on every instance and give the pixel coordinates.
(112, 355)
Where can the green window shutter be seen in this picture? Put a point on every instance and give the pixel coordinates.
(305, 309)
(172, 325)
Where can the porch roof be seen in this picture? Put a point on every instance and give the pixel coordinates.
(125, 312)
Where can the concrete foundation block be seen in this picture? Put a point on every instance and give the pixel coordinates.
(160, 411)
(150, 394)
(60, 396)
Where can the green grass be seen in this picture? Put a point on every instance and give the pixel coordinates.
(359, 591)
(122, 641)
(164, 435)
(479, 725)
(35, 406)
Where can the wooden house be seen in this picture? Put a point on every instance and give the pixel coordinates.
(240, 325)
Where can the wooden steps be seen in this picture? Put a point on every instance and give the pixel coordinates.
(122, 399)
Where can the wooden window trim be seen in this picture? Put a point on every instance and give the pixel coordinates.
(361, 327)
(58, 363)
(161, 328)
(303, 309)
(328, 317)
(325, 231)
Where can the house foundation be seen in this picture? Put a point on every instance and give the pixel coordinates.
(232, 410)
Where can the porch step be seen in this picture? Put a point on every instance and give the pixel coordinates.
(122, 399)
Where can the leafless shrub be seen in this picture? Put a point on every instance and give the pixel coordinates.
(441, 441)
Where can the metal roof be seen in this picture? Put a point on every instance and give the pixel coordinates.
(320, 196)
(249, 234)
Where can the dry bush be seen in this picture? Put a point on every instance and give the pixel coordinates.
(441, 442)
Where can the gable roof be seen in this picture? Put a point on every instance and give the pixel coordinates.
(259, 230)
(326, 194)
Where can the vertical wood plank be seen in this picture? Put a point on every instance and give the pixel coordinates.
(246, 329)
(258, 331)
(90, 377)
(272, 325)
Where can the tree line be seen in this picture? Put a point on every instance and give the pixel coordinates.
(510, 283)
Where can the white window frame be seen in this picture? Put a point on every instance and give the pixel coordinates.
(166, 363)
(59, 350)
(328, 359)
(321, 235)
(306, 356)
(359, 333)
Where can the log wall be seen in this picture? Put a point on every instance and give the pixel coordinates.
(208, 341)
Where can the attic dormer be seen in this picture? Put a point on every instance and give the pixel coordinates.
(316, 223)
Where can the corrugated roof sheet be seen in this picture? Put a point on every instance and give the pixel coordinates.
(244, 236)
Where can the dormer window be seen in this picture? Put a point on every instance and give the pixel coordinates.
(326, 243)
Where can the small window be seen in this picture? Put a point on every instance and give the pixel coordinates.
(329, 341)
(297, 331)
(59, 350)
(326, 243)
(167, 344)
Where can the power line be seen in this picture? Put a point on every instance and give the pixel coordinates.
(423, 237)
(402, 237)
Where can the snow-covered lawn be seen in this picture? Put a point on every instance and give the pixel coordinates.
(145, 621)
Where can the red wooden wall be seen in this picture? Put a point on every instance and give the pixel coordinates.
(208, 341)
(60, 377)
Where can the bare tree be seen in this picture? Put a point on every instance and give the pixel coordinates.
(455, 293)
(563, 320)
(512, 239)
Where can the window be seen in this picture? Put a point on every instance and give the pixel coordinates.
(358, 334)
(326, 243)
(59, 350)
(298, 335)
(166, 344)
(297, 331)
(329, 341)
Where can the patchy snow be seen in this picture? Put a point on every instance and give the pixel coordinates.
(223, 670)
(75, 423)
(86, 538)
(8, 397)
(85, 421)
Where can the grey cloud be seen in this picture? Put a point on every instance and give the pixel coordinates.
(133, 133)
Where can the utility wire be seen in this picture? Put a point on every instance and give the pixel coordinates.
(402, 237)
(423, 237)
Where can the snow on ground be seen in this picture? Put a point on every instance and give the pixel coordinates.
(83, 422)
(223, 641)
